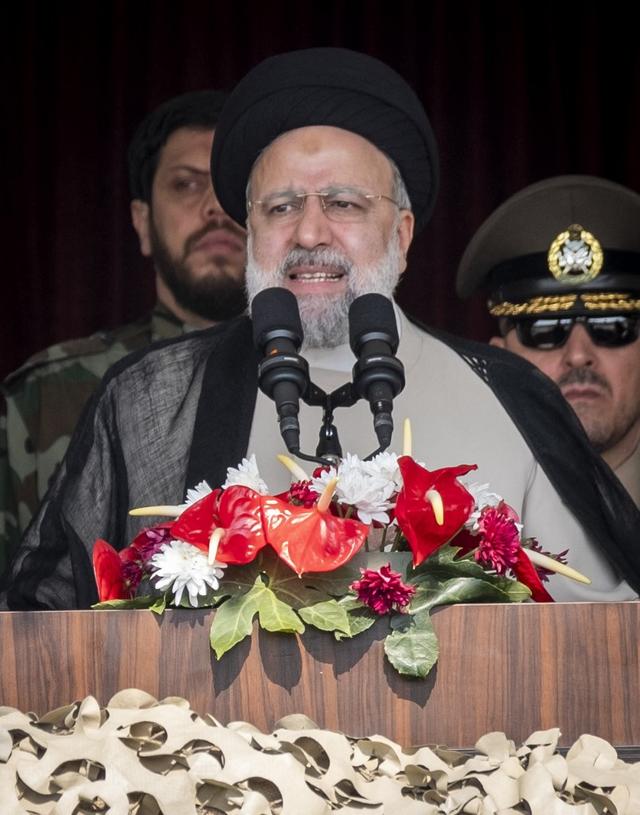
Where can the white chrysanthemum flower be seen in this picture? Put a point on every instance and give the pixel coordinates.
(179, 566)
(385, 466)
(362, 486)
(246, 475)
(195, 494)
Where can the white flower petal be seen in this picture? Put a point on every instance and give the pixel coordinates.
(179, 566)
(195, 494)
(246, 475)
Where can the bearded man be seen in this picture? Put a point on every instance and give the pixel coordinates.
(198, 256)
(328, 156)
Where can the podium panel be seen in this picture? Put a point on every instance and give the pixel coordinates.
(515, 668)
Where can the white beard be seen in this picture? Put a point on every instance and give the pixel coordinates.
(325, 318)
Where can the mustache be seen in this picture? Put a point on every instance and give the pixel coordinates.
(226, 223)
(583, 376)
(316, 257)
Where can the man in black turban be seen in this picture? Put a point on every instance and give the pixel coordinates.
(328, 156)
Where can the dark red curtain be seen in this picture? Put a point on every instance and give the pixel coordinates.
(515, 92)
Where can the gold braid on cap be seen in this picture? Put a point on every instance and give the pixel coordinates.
(535, 305)
(610, 301)
(594, 301)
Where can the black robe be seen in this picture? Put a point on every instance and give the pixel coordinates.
(169, 416)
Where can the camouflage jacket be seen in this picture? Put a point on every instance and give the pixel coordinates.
(40, 405)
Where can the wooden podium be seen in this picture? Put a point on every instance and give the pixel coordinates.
(515, 668)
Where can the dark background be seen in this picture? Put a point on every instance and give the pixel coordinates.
(515, 92)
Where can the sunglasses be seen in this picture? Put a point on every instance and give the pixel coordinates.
(547, 333)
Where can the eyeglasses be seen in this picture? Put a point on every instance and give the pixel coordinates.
(552, 332)
(342, 205)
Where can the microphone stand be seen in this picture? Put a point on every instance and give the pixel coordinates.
(329, 449)
(328, 442)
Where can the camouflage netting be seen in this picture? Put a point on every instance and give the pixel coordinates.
(145, 757)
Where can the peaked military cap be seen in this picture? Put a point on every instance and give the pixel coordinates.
(568, 244)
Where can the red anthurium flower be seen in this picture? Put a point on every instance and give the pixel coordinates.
(238, 511)
(526, 573)
(198, 521)
(107, 567)
(310, 540)
(118, 574)
(415, 514)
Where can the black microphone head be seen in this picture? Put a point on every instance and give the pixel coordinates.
(372, 317)
(275, 315)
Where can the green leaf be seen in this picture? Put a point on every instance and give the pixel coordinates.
(135, 602)
(444, 579)
(309, 589)
(327, 616)
(351, 603)
(359, 620)
(412, 648)
(443, 563)
(233, 620)
(159, 604)
(296, 592)
(239, 579)
(274, 615)
(334, 584)
(433, 592)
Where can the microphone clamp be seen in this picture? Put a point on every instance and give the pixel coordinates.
(288, 373)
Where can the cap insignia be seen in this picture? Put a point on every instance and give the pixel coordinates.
(575, 256)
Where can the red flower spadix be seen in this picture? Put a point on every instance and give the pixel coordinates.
(415, 514)
(236, 509)
(311, 540)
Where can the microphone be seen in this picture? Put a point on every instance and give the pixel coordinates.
(283, 375)
(378, 376)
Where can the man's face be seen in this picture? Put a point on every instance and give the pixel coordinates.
(324, 262)
(198, 251)
(601, 384)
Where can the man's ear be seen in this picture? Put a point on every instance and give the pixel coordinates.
(497, 342)
(405, 233)
(140, 215)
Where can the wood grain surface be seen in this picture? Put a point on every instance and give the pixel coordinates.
(515, 668)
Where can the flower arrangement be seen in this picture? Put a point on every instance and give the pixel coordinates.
(289, 559)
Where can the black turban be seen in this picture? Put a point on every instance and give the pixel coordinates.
(324, 86)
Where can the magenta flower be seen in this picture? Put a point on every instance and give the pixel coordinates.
(382, 590)
(499, 538)
(149, 541)
(136, 557)
(302, 494)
